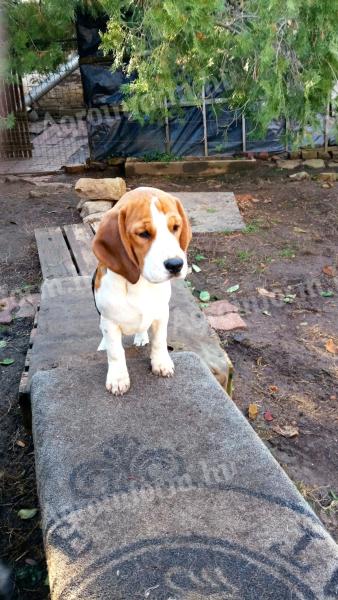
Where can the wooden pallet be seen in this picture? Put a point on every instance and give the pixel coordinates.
(63, 252)
(66, 251)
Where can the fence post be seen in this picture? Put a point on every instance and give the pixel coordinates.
(167, 128)
(243, 133)
(287, 128)
(326, 127)
(205, 128)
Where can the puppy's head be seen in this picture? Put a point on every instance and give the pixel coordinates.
(147, 233)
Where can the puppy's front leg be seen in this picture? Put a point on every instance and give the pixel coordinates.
(161, 362)
(117, 382)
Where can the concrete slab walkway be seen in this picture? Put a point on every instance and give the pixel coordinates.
(167, 493)
(212, 212)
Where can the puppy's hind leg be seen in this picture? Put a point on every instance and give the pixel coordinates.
(141, 339)
(117, 382)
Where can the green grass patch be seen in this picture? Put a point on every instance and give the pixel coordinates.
(287, 252)
(244, 255)
(252, 227)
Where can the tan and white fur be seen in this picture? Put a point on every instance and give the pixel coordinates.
(141, 245)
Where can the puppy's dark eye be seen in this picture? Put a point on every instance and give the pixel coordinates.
(176, 227)
(145, 234)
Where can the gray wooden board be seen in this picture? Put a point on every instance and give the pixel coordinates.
(79, 238)
(54, 255)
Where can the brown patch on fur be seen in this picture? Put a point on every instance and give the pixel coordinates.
(100, 272)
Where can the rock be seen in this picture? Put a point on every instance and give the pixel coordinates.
(95, 225)
(37, 194)
(5, 317)
(81, 203)
(327, 176)
(315, 163)
(92, 207)
(300, 176)
(79, 168)
(97, 165)
(294, 154)
(324, 155)
(227, 322)
(45, 189)
(219, 308)
(309, 153)
(116, 161)
(288, 164)
(28, 305)
(101, 189)
(7, 307)
(333, 164)
(20, 307)
(12, 179)
(93, 218)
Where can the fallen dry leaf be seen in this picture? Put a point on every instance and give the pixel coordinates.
(328, 270)
(266, 293)
(268, 416)
(244, 198)
(288, 431)
(331, 347)
(273, 388)
(253, 412)
(20, 443)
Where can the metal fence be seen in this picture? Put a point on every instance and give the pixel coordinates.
(50, 128)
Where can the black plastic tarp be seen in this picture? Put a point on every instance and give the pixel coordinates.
(113, 133)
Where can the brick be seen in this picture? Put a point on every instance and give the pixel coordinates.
(221, 307)
(227, 322)
(327, 176)
(309, 153)
(196, 168)
(315, 163)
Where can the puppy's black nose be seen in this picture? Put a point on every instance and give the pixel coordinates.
(173, 265)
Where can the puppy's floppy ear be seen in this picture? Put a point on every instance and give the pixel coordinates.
(111, 246)
(185, 237)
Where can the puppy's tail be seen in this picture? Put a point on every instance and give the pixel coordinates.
(102, 345)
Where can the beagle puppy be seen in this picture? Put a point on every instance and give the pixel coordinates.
(141, 244)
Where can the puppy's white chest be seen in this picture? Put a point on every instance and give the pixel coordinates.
(132, 307)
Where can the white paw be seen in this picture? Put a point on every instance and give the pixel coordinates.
(163, 366)
(141, 339)
(118, 385)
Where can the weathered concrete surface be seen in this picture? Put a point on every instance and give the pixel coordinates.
(211, 212)
(68, 329)
(167, 493)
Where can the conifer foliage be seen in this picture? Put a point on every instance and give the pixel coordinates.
(273, 59)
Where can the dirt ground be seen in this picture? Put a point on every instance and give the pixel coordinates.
(21, 540)
(282, 364)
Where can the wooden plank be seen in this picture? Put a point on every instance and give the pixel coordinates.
(54, 255)
(79, 237)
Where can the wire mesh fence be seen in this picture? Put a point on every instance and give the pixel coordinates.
(50, 128)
